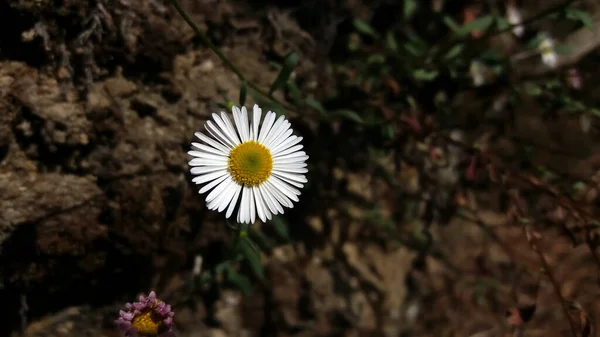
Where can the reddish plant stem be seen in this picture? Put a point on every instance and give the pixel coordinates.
(533, 239)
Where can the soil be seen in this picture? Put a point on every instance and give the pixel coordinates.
(99, 101)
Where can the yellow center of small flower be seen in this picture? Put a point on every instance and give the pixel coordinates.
(250, 163)
(149, 323)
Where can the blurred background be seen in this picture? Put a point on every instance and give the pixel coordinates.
(453, 172)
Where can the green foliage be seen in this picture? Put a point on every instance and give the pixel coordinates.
(281, 227)
(284, 74)
(243, 92)
(581, 16)
(247, 248)
(410, 7)
(364, 28)
(241, 281)
(391, 75)
(481, 24)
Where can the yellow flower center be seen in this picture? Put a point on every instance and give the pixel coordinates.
(250, 163)
(149, 323)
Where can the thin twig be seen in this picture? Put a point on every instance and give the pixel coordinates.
(533, 238)
(554, 9)
(556, 287)
(561, 199)
(224, 58)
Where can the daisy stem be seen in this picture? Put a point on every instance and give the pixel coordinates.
(224, 58)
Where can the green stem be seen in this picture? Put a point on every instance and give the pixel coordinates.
(222, 57)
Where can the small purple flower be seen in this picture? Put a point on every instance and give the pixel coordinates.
(148, 317)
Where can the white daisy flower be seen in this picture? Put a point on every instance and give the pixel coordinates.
(514, 18)
(549, 56)
(261, 163)
(478, 73)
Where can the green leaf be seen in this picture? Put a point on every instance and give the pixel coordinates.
(535, 42)
(259, 238)
(294, 92)
(451, 23)
(243, 93)
(267, 105)
(204, 278)
(281, 227)
(390, 41)
(364, 28)
(226, 99)
(388, 131)
(251, 253)
(288, 66)
(481, 24)
(425, 75)
(349, 114)
(414, 49)
(490, 55)
(455, 51)
(581, 16)
(410, 6)
(578, 186)
(376, 58)
(242, 282)
(316, 105)
(532, 89)
(502, 23)
(222, 266)
(563, 49)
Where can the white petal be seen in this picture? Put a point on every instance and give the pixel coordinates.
(217, 199)
(208, 159)
(277, 131)
(200, 155)
(229, 192)
(266, 126)
(281, 138)
(219, 190)
(279, 195)
(210, 176)
(285, 187)
(211, 142)
(226, 131)
(230, 126)
(252, 205)
(257, 112)
(211, 136)
(206, 169)
(209, 149)
(291, 141)
(289, 165)
(244, 211)
(288, 160)
(234, 199)
(260, 205)
(292, 155)
(280, 121)
(272, 204)
(217, 133)
(291, 169)
(287, 177)
(246, 123)
(212, 184)
(237, 119)
(207, 162)
(289, 151)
